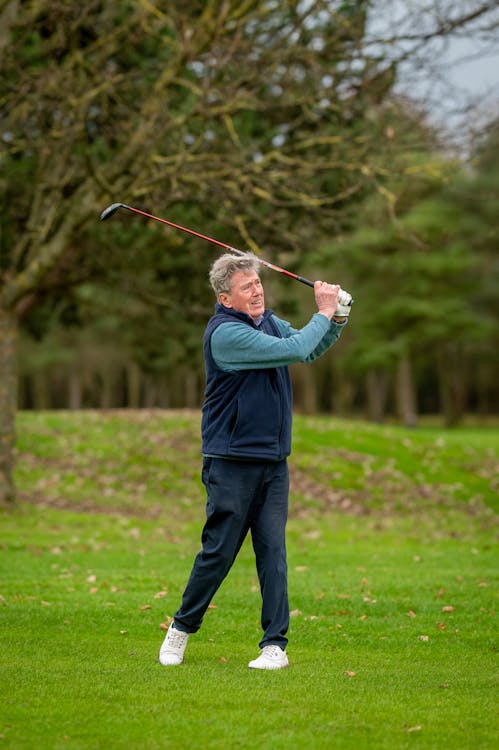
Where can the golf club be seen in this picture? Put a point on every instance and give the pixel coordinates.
(110, 210)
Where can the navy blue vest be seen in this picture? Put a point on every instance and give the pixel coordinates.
(246, 413)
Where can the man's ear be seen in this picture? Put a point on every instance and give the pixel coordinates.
(224, 299)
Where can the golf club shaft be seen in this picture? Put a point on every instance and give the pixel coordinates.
(110, 210)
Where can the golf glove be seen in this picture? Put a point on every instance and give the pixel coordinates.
(344, 304)
(342, 311)
(344, 298)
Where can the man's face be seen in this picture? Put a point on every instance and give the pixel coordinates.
(246, 294)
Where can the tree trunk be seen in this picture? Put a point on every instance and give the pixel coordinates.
(452, 383)
(42, 398)
(305, 389)
(191, 389)
(133, 385)
(74, 389)
(106, 383)
(149, 392)
(376, 391)
(8, 402)
(406, 397)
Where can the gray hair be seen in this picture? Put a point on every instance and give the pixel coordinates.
(226, 266)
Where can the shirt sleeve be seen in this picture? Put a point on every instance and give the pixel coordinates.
(237, 346)
(330, 337)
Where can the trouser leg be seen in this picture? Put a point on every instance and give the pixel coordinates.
(230, 488)
(269, 543)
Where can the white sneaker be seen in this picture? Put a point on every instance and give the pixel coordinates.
(173, 647)
(272, 657)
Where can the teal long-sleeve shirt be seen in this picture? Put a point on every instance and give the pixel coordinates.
(237, 346)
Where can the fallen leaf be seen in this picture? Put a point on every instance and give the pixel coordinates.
(123, 632)
(144, 607)
(363, 617)
(348, 673)
(423, 638)
(160, 594)
(316, 534)
(441, 626)
(224, 660)
(411, 613)
(449, 608)
(212, 606)
(415, 729)
(91, 579)
(295, 612)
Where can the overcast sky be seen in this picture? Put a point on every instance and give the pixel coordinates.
(457, 77)
(471, 70)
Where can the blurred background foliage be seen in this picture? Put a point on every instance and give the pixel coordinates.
(273, 126)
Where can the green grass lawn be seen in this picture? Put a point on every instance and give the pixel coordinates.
(392, 575)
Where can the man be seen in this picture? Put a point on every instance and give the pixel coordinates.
(246, 435)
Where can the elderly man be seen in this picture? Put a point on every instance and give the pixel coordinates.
(246, 439)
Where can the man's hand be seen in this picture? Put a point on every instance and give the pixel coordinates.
(326, 298)
(341, 313)
(344, 306)
(344, 298)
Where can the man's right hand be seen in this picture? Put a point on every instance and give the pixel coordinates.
(326, 298)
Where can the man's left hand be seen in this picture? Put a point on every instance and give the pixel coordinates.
(341, 313)
(344, 298)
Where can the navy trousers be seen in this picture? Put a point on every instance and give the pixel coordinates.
(242, 496)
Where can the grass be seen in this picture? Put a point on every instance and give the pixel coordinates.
(392, 576)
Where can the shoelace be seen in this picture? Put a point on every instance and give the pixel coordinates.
(271, 651)
(176, 638)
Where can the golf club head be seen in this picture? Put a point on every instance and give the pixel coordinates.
(110, 210)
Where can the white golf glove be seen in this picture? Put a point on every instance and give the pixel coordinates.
(344, 304)
(344, 298)
(342, 311)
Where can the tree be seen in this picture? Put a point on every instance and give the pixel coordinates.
(235, 107)
(423, 274)
(252, 116)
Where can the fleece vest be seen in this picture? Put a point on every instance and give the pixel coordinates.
(246, 413)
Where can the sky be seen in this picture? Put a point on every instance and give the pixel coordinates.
(458, 82)
(471, 74)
